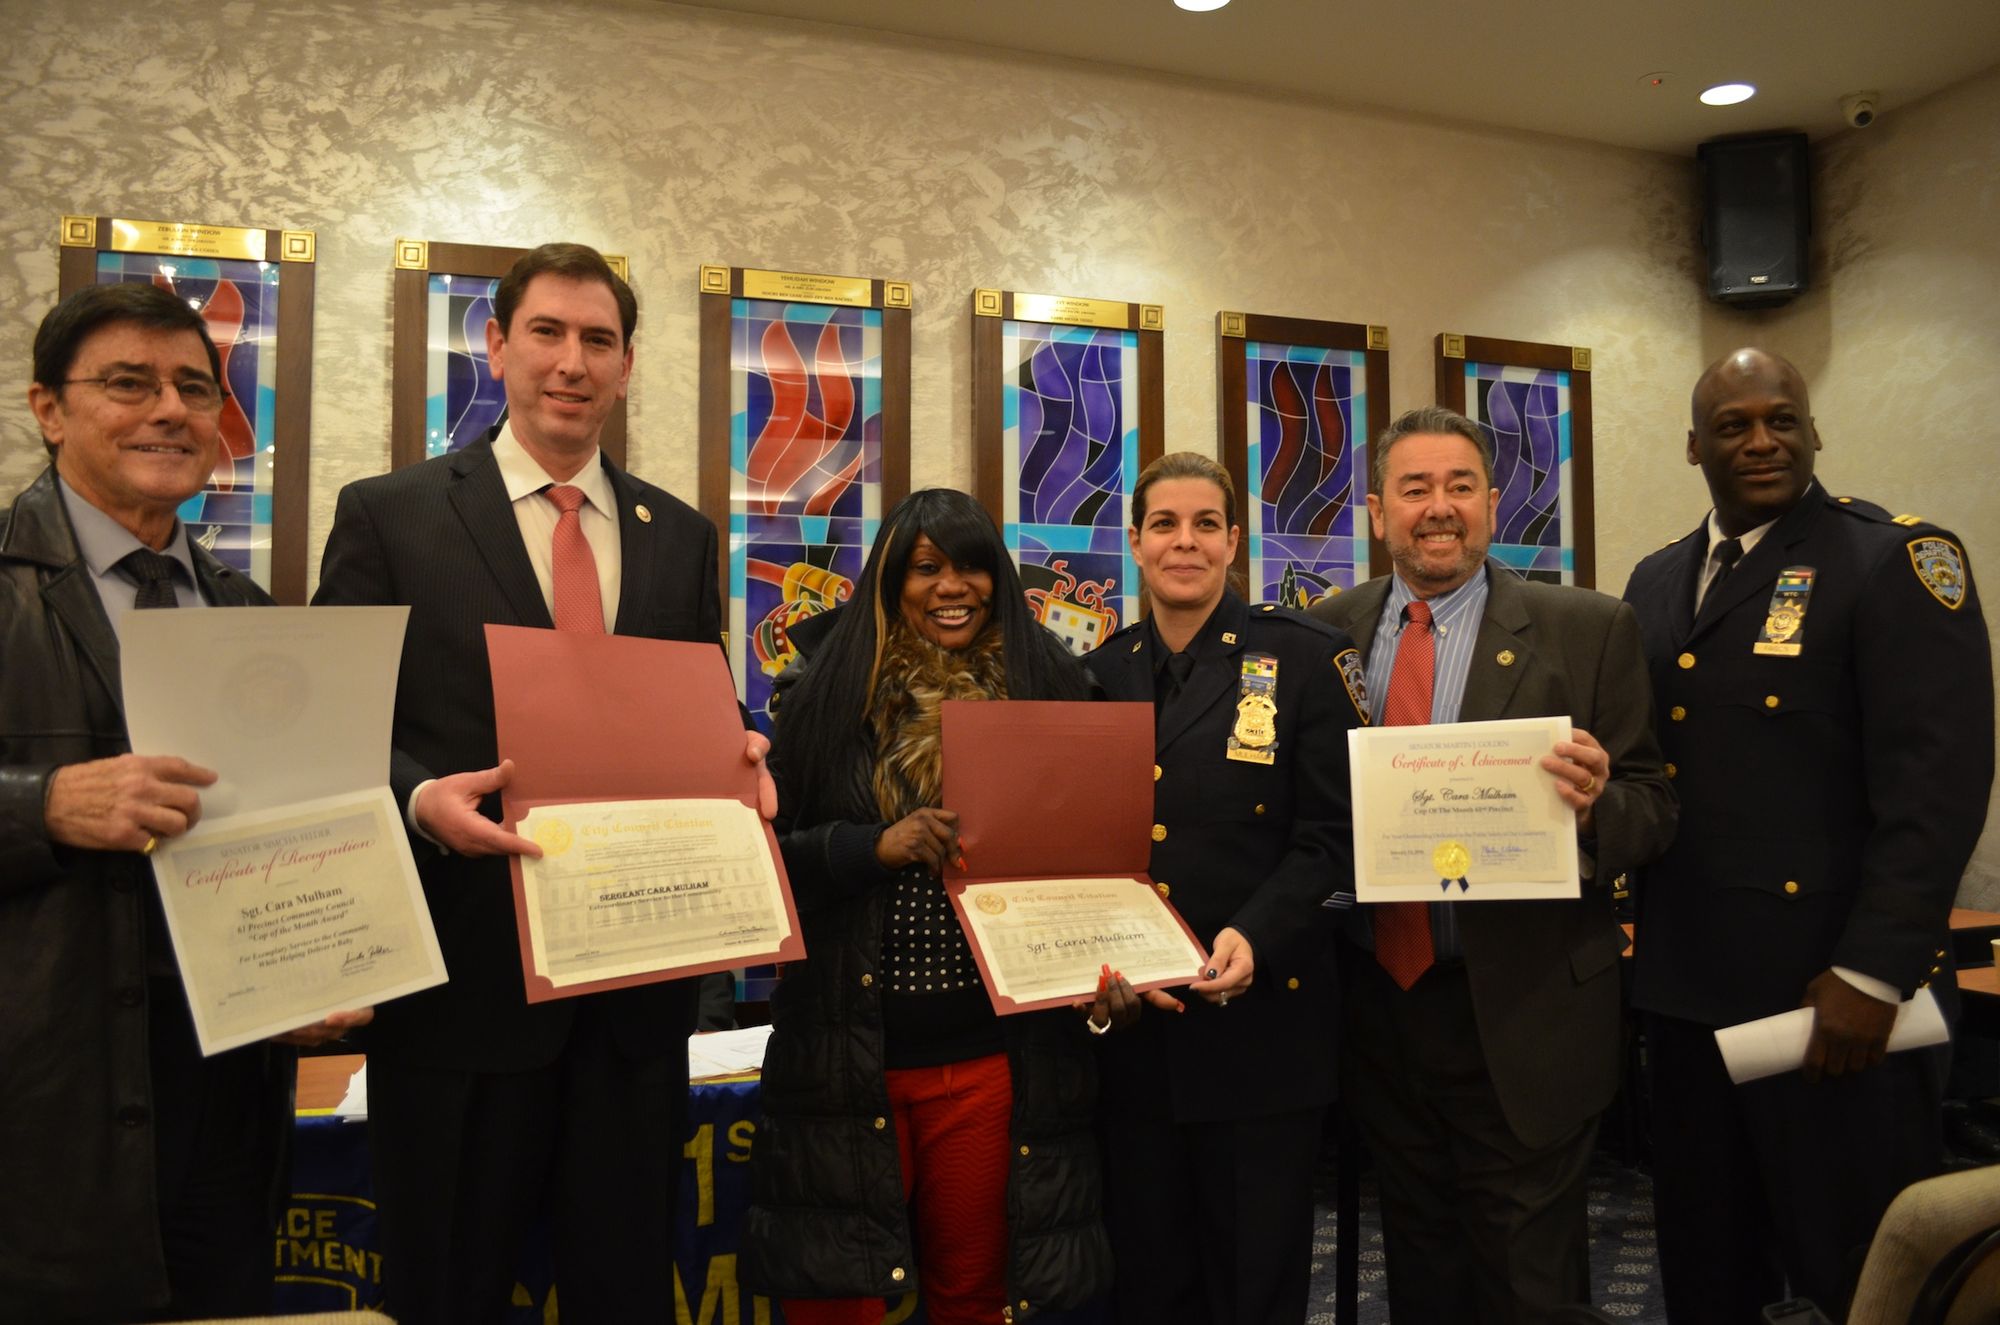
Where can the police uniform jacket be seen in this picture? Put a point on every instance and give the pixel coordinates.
(79, 1230)
(1544, 975)
(1246, 845)
(1831, 795)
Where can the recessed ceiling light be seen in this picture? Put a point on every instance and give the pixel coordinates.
(1199, 6)
(1727, 94)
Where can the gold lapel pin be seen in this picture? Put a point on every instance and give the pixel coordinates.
(1228, 637)
(645, 516)
(1505, 658)
(1137, 645)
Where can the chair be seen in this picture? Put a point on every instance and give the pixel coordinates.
(1935, 1259)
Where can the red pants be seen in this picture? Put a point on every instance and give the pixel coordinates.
(951, 1134)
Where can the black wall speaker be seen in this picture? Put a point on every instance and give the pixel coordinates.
(1756, 216)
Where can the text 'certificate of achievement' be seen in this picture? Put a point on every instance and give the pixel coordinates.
(629, 773)
(1460, 811)
(295, 896)
(1054, 804)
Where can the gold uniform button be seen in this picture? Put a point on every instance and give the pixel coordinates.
(1673, 772)
(867, 980)
(1292, 983)
(1686, 660)
(1024, 1150)
(1159, 832)
(897, 1274)
(1156, 772)
(1770, 701)
(1024, 1304)
(1791, 886)
(1260, 809)
(1677, 713)
(1163, 890)
(881, 1123)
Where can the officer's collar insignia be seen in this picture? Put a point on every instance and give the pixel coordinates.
(1941, 568)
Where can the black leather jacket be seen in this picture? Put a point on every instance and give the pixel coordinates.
(79, 1232)
(827, 1217)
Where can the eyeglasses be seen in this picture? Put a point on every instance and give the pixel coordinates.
(202, 395)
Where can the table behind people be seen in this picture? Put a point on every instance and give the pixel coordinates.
(1480, 1040)
(1212, 1116)
(911, 1136)
(1826, 696)
(143, 1177)
(485, 1110)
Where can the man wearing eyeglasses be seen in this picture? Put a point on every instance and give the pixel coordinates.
(141, 1175)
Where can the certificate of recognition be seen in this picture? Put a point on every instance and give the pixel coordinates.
(295, 895)
(1044, 942)
(635, 887)
(1054, 804)
(629, 775)
(281, 916)
(1460, 811)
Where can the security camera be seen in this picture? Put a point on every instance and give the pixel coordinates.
(1858, 108)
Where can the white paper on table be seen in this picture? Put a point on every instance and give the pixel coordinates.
(286, 704)
(1770, 1045)
(727, 1053)
(354, 1104)
(1460, 812)
(295, 895)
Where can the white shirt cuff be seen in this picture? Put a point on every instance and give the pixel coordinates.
(410, 817)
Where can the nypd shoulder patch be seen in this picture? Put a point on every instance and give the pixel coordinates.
(1352, 675)
(1940, 567)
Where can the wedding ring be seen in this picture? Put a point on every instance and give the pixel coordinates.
(147, 850)
(1222, 1000)
(1589, 784)
(1096, 1029)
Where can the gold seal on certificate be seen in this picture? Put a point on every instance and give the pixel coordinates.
(1464, 803)
(1451, 860)
(1044, 942)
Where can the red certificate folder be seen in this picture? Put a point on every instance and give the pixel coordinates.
(1050, 790)
(611, 718)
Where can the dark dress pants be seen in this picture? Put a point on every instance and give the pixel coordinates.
(1779, 1179)
(1480, 1228)
(213, 1151)
(1212, 1222)
(464, 1162)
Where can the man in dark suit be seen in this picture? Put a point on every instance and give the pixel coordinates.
(142, 1176)
(1480, 1040)
(1826, 692)
(484, 1109)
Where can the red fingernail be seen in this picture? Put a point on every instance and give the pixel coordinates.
(1102, 981)
(1106, 968)
(961, 860)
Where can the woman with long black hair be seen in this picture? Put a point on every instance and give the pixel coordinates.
(910, 1133)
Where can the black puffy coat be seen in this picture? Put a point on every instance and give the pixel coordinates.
(827, 1215)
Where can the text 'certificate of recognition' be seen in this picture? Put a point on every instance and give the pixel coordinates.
(1046, 941)
(1460, 811)
(281, 916)
(645, 887)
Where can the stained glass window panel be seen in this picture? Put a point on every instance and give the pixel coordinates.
(1525, 413)
(805, 474)
(1070, 438)
(238, 298)
(461, 399)
(1307, 457)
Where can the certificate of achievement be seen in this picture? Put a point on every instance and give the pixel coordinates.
(295, 895)
(653, 887)
(1055, 812)
(655, 863)
(281, 916)
(1044, 942)
(1460, 811)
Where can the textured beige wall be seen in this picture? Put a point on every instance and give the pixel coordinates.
(680, 136)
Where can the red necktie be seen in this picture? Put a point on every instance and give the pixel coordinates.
(1403, 929)
(579, 603)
